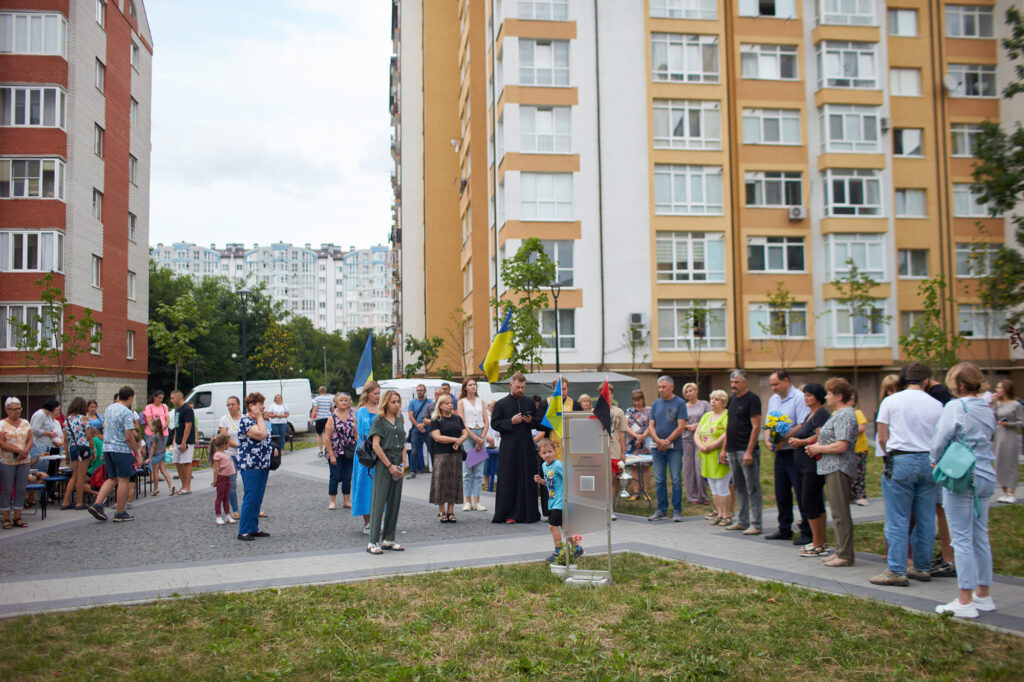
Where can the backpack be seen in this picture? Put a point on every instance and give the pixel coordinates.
(955, 469)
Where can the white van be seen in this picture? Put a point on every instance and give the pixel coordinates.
(209, 401)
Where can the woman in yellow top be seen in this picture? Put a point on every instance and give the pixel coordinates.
(860, 448)
(710, 438)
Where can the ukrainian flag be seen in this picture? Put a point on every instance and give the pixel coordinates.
(553, 417)
(364, 372)
(501, 348)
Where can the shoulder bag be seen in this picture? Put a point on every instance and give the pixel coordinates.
(955, 469)
(275, 459)
(367, 457)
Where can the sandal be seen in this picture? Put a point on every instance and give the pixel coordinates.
(7, 524)
(392, 546)
(451, 518)
(155, 493)
(373, 549)
(442, 518)
(19, 523)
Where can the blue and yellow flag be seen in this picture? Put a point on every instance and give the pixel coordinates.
(553, 417)
(364, 372)
(501, 348)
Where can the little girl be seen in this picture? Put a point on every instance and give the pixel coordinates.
(157, 456)
(223, 470)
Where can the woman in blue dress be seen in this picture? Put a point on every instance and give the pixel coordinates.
(362, 478)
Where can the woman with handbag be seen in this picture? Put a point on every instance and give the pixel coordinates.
(969, 423)
(448, 432)
(254, 452)
(474, 413)
(362, 478)
(340, 433)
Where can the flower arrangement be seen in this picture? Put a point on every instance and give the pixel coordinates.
(778, 425)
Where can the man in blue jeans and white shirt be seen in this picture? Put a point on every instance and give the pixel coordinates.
(906, 422)
(666, 426)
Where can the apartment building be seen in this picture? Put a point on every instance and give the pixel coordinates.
(681, 158)
(75, 116)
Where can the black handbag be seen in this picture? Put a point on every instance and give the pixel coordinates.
(275, 459)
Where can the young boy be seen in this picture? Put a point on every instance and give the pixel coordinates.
(554, 481)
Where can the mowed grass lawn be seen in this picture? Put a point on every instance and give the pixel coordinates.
(659, 619)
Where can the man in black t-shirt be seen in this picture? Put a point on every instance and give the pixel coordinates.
(937, 390)
(743, 454)
(183, 441)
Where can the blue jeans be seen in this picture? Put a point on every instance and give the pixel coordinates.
(970, 534)
(491, 469)
(279, 433)
(416, 453)
(911, 489)
(233, 492)
(341, 471)
(255, 482)
(673, 459)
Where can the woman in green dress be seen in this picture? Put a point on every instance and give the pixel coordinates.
(709, 438)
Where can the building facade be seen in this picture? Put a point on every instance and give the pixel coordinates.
(683, 159)
(75, 117)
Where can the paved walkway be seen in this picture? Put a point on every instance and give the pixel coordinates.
(58, 576)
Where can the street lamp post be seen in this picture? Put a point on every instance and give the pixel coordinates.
(556, 289)
(243, 293)
(325, 365)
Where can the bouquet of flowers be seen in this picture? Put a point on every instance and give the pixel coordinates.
(778, 425)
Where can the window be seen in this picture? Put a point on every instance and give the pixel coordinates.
(969, 21)
(865, 327)
(132, 225)
(846, 65)
(566, 328)
(964, 138)
(134, 56)
(775, 254)
(975, 80)
(908, 318)
(853, 192)
(500, 201)
(133, 169)
(32, 251)
(903, 22)
(771, 126)
(26, 106)
(547, 10)
(910, 203)
(976, 260)
(560, 253)
(101, 13)
(687, 190)
(981, 323)
(34, 33)
(867, 251)
(97, 140)
(908, 142)
(101, 71)
(905, 82)
(773, 189)
(546, 196)
(768, 322)
(687, 124)
(543, 62)
(691, 256)
(130, 4)
(684, 57)
(97, 271)
(12, 315)
(97, 204)
(31, 179)
(544, 129)
(913, 263)
(780, 9)
(131, 285)
(847, 128)
(97, 334)
(851, 12)
(769, 62)
(967, 203)
(685, 9)
(133, 112)
(685, 324)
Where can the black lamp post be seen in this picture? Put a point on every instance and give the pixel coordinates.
(556, 289)
(243, 293)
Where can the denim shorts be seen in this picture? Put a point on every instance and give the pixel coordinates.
(79, 453)
(119, 464)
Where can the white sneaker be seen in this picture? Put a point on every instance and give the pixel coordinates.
(958, 610)
(479, 507)
(1002, 498)
(467, 507)
(366, 529)
(1010, 499)
(227, 517)
(220, 521)
(984, 603)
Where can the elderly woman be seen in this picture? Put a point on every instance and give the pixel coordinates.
(969, 421)
(1009, 420)
(448, 432)
(838, 464)
(585, 403)
(340, 434)
(637, 441)
(15, 446)
(812, 485)
(387, 438)
(708, 440)
(696, 490)
(254, 450)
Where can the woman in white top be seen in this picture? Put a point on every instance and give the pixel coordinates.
(228, 426)
(278, 413)
(473, 411)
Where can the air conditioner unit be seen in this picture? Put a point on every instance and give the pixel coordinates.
(638, 319)
(797, 212)
(885, 125)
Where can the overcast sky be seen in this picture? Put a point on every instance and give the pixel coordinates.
(270, 121)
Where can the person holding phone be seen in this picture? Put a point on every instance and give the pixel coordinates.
(514, 417)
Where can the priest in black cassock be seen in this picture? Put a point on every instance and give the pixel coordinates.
(514, 417)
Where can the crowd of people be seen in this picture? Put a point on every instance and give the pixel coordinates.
(709, 450)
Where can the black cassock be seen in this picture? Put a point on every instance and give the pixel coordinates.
(516, 496)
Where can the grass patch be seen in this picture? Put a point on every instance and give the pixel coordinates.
(660, 619)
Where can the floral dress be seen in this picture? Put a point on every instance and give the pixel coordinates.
(638, 420)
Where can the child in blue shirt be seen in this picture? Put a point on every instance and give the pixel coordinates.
(554, 479)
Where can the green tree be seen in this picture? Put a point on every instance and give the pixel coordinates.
(176, 330)
(857, 293)
(635, 338)
(699, 315)
(276, 352)
(929, 339)
(997, 273)
(782, 316)
(457, 335)
(55, 339)
(525, 275)
(426, 349)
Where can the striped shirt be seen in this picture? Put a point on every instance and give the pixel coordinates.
(324, 403)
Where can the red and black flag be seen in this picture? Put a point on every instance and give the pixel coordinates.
(603, 409)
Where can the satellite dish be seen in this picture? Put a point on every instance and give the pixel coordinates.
(951, 82)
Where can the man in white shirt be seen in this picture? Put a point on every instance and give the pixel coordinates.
(788, 400)
(906, 422)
